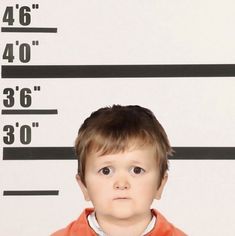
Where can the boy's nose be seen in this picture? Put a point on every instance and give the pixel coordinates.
(121, 184)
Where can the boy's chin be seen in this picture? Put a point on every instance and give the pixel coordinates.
(122, 214)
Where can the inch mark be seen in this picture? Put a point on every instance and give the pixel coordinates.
(35, 124)
(35, 6)
(35, 43)
(37, 88)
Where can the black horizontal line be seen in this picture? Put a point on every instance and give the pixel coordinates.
(67, 153)
(30, 192)
(28, 30)
(38, 153)
(118, 71)
(204, 153)
(29, 112)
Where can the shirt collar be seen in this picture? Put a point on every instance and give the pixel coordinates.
(96, 227)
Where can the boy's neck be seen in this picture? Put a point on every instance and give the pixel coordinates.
(134, 226)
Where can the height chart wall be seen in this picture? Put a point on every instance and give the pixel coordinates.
(61, 60)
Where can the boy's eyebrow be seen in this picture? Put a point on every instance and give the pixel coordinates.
(105, 162)
(108, 162)
(137, 162)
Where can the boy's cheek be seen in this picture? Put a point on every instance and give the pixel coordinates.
(95, 185)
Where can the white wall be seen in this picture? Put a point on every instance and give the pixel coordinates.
(199, 197)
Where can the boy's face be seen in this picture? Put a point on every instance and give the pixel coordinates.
(123, 185)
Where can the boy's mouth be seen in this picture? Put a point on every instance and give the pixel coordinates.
(121, 198)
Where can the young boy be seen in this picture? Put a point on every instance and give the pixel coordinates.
(122, 167)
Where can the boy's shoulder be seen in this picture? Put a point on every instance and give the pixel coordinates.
(163, 227)
(80, 227)
(77, 227)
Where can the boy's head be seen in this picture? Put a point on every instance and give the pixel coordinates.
(122, 161)
(116, 129)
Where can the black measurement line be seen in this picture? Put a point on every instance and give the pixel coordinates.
(31, 193)
(38, 153)
(204, 153)
(28, 30)
(67, 153)
(118, 71)
(29, 112)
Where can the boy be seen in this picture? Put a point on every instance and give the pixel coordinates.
(122, 167)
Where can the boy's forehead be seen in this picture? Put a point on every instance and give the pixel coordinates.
(134, 153)
(106, 147)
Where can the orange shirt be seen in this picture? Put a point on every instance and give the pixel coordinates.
(80, 227)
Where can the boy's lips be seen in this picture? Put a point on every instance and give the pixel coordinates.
(121, 198)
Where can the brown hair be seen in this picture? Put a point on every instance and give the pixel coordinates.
(113, 129)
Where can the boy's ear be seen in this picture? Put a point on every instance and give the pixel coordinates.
(161, 187)
(83, 188)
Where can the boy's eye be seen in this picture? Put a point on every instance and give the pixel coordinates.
(105, 171)
(138, 170)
